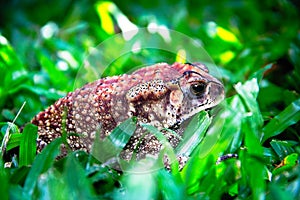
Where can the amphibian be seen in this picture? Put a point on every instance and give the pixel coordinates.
(162, 95)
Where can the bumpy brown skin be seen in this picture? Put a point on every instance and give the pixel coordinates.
(162, 95)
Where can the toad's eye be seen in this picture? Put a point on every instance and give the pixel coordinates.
(198, 88)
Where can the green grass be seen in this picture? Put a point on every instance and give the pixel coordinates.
(256, 46)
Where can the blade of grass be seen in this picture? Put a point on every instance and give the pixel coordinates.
(7, 132)
(78, 186)
(19, 175)
(122, 133)
(194, 133)
(225, 127)
(138, 186)
(220, 134)
(159, 135)
(281, 148)
(236, 111)
(28, 145)
(248, 92)
(42, 162)
(289, 116)
(252, 164)
(113, 144)
(52, 186)
(260, 73)
(14, 141)
(175, 189)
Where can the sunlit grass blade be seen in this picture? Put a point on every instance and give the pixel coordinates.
(255, 174)
(193, 133)
(155, 132)
(138, 186)
(28, 145)
(289, 116)
(122, 133)
(14, 141)
(248, 92)
(42, 162)
(234, 112)
(104, 10)
(217, 140)
(112, 145)
(194, 171)
(220, 135)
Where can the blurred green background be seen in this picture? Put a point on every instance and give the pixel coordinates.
(43, 45)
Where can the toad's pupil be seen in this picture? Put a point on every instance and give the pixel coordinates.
(198, 88)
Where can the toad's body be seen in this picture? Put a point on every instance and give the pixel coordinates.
(162, 95)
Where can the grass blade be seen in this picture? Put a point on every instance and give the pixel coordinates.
(289, 116)
(194, 133)
(42, 162)
(10, 128)
(113, 144)
(253, 157)
(78, 186)
(248, 92)
(14, 141)
(159, 135)
(281, 148)
(28, 145)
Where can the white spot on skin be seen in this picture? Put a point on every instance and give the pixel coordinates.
(78, 130)
(151, 117)
(85, 134)
(87, 119)
(77, 116)
(93, 135)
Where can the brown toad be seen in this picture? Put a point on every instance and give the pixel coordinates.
(162, 95)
